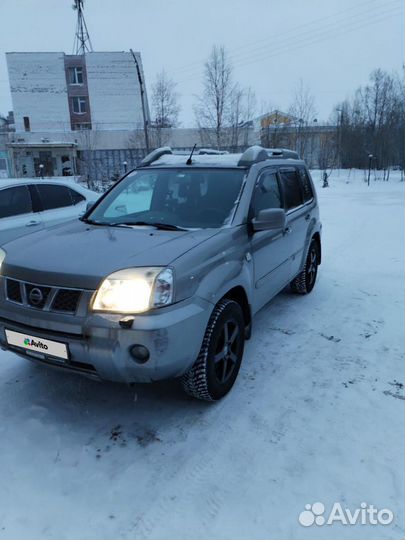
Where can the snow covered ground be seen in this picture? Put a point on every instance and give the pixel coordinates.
(317, 414)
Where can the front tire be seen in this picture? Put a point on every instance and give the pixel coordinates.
(220, 357)
(305, 281)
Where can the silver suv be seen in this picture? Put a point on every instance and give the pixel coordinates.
(162, 276)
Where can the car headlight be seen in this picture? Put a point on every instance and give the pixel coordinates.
(2, 257)
(135, 290)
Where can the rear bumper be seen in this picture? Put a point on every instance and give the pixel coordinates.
(99, 346)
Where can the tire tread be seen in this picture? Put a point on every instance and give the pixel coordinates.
(194, 381)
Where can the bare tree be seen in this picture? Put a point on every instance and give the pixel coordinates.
(249, 113)
(304, 111)
(165, 107)
(372, 124)
(327, 152)
(213, 106)
(241, 114)
(236, 116)
(89, 167)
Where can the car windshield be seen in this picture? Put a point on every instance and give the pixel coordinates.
(183, 198)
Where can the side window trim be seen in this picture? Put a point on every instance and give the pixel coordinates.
(29, 193)
(35, 198)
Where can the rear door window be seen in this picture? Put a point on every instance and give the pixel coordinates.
(76, 197)
(291, 186)
(54, 196)
(15, 201)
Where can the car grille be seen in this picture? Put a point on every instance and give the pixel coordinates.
(14, 290)
(41, 297)
(66, 300)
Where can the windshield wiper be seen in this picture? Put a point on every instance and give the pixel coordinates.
(157, 224)
(90, 221)
(103, 223)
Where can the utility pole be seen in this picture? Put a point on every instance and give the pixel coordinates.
(142, 88)
(370, 159)
(340, 125)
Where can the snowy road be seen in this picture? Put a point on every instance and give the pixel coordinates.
(317, 414)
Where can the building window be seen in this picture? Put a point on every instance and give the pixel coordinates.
(76, 75)
(27, 126)
(79, 105)
(81, 126)
(3, 168)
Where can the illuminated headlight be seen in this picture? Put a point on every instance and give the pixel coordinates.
(135, 290)
(2, 257)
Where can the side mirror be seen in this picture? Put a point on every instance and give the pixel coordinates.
(269, 219)
(89, 205)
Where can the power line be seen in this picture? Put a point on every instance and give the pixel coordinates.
(306, 41)
(275, 43)
(291, 30)
(334, 25)
(326, 34)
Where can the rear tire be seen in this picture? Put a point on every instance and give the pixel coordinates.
(220, 357)
(305, 281)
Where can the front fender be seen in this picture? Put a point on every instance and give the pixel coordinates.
(210, 270)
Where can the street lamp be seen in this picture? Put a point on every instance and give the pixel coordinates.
(299, 145)
(340, 125)
(41, 170)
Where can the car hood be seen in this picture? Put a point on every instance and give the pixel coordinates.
(80, 255)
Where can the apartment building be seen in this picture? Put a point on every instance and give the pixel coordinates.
(56, 97)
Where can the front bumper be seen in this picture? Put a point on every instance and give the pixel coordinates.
(98, 346)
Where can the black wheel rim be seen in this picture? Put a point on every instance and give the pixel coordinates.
(227, 351)
(312, 266)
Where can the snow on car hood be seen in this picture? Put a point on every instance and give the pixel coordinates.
(80, 255)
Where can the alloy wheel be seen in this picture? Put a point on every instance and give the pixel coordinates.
(227, 349)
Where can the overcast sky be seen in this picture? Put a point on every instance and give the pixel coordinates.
(332, 45)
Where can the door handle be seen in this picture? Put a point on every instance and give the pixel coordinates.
(287, 230)
(307, 217)
(32, 223)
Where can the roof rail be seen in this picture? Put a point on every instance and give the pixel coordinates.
(282, 153)
(211, 152)
(155, 155)
(255, 154)
(252, 155)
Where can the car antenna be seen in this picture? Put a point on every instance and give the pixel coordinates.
(190, 161)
